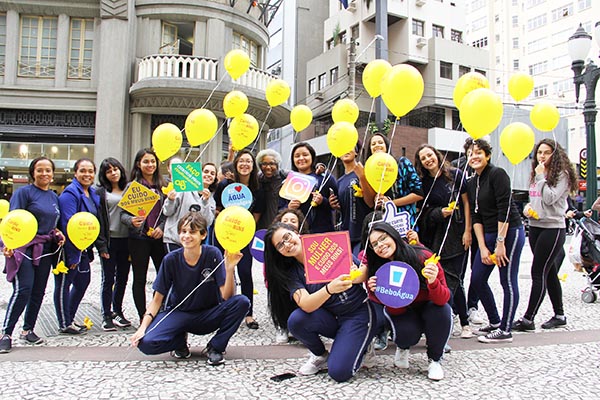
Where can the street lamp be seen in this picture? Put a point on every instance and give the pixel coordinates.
(579, 47)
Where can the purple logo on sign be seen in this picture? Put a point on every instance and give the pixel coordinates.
(257, 247)
(397, 284)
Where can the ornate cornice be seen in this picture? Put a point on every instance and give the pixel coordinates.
(113, 9)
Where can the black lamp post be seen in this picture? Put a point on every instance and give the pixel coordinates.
(579, 47)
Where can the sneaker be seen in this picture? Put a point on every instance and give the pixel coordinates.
(496, 336)
(435, 371)
(120, 321)
(31, 337)
(456, 329)
(314, 364)
(107, 324)
(474, 317)
(72, 329)
(214, 357)
(182, 353)
(5, 344)
(447, 348)
(368, 360)
(554, 322)
(522, 325)
(401, 358)
(466, 332)
(381, 341)
(489, 328)
(281, 336)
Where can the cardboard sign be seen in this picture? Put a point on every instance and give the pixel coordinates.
(138, 199)
(187, 177)
(257, 246)
(297, 186)
(400, 221)
(326, 256)
(236, 194)
(397, 284)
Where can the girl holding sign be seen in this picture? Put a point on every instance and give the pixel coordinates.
(428, 314)
(337, 309)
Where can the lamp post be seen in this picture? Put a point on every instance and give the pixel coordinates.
(579, 47)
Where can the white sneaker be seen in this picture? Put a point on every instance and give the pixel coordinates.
(466, 332)
(314, 364)
(368, 360)
(474, 317)
(281, 336)
(435, 371)
(401, 358)
(456, 326)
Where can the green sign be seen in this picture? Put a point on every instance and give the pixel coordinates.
(187, 177)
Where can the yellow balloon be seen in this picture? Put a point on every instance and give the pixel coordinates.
(237, 63)
(345, 110)
(4, 207)
(517, 141)
(301, 117)
(402, 88)
(234, 228)
(235, 104)
(18, 228)
(544, 116)
(341, 138)
(520, 86)
(200, 126)
(242, 131)
(381, 171)
(373, 74)
(166, 140)
(277, 92)
(83, 229)
(466, 84)
(480, 112)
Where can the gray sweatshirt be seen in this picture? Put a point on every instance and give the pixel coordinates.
(175, 209)
(550, 202)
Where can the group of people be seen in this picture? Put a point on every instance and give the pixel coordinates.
(449, 215)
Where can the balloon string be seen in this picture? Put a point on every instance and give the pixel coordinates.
(319, 189)
(429, 192)
(40, 257)
(362, 150)
(261, 129)
(210, 141)
(456, 205)
(213, 91)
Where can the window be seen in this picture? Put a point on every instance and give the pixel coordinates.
(322, 81)
(515, 43)
(438, 31)
(537, 45)
(515, 21)
(497, 59)
(418, 27)
(354, 32)
(168, 40)
(312, 86)
(482, 72)
(537, 22)
(562, 36)
(563, 86)
(533, 3)
(2, 43)
(445, 70)
(483, 42)
(456, 36)
(516, 65)
(82, 43)
(38, 46)
(584, 4)
(249, 46)
(330, 44)
(562, 12)
(477, 5)
(515, 2)
(497, 18)
(498, 81)
(463, 70)
(479, 23)
(333, 75)
(538, 68)
(562, 61)
(540, 91)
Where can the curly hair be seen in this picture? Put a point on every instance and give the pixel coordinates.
(443, 163)
(559, 163)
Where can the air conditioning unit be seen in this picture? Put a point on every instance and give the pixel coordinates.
(319, 95)
(421, 2)
(421, 42)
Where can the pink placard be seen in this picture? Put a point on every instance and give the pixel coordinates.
(326, 256)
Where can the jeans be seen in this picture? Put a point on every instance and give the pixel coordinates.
(115, 272)
(69, 290)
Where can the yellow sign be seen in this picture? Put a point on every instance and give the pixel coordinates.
(138, 199)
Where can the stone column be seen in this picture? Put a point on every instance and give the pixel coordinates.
(12, 48)
(63, 50)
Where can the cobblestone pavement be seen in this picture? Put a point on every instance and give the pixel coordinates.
(99, 365)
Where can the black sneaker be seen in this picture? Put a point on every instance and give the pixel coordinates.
(5, 344)
(31, 337)
(214, 357)
(182, 353)
(554, 322)
(72, 329)
(523, 326)
(107, 324)
(120, 320)
(497, 335)
(489, 328)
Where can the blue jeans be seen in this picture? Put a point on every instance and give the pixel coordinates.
(115, 272)
(29, 287)
(69, 290)
(509, 278)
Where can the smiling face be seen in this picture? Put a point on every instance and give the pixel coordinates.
(209, 174)
(147, 165)
(544, 154)
(245, 164)
(377, 145)
(303, 160)
(43, 172)
(429, 160)
(291, 219)
(478, 160)
(287, 243)
(268, 166)
(383, 244)
(85, 173)
(190, 238)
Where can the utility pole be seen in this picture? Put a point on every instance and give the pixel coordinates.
(381, 52)
(352, 69)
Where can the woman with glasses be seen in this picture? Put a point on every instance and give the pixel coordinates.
(246, 173)
(500, 235)
(270, 178)
(428, 314)
(337, 309)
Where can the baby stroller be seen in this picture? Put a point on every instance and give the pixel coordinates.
(589, 252)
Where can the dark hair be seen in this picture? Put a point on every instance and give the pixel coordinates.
(194, 220)
(83, 159)
(213, 186)
(368, 152)
(35, 161)
(227, 166)
(482, 144)
(278, 270)
(443, 163)
(559, 162)
(404, 252)
(107, 164)
(312, 152)
(297, 213)
(253, 183)
(136, 171)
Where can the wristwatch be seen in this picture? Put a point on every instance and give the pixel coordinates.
(500, 238)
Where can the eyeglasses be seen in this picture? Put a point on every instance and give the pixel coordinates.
(242, 161)
(268, 164)
(379, 241)
(287, 237)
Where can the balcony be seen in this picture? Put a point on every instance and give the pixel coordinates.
(177, 84)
